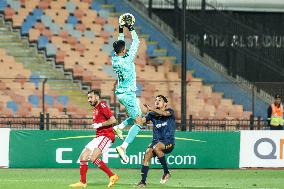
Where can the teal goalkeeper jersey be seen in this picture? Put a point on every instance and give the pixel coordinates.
(124, 66)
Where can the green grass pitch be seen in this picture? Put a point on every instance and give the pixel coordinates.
(183, 178)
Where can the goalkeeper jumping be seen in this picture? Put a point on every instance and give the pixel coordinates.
(123, 65)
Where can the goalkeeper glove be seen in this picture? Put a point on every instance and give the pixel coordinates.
(120, 29)
(130, 27)
(97, 125)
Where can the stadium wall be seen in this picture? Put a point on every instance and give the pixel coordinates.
(61, 149)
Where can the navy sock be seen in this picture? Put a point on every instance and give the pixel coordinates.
(164, 164)
(144, 173)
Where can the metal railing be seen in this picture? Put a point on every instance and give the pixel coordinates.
(194, 125)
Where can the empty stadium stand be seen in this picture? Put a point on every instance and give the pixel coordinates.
(78, 35)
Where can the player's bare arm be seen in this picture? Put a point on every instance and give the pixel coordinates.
(108, 122)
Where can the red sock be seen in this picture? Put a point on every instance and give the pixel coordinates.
(103, 167)
(83, 171)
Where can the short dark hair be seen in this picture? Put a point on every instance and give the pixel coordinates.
(163, 97)
(118, 46)
(95, 91)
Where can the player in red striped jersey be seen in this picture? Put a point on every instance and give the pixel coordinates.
(103, 121)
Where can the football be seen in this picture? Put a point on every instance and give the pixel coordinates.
(126, 19)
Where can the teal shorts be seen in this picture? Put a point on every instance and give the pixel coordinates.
(131, 104)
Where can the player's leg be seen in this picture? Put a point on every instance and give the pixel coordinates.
(134, 111)
(145, 166)
(160, 149)
(118, 128)
(123, 99)
(101, 145)
(84, 157)
(132, 106)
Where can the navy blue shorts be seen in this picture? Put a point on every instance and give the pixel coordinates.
(168, 147)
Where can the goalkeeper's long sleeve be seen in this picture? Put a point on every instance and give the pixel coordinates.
(134, 45)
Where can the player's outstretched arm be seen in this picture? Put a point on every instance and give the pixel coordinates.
(121, 34)
(135, 42)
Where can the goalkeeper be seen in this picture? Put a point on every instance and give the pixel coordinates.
(123, 65)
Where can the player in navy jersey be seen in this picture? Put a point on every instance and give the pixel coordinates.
(163, 142)
(103, 121)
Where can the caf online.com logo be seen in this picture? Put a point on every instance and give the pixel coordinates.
(271, 154)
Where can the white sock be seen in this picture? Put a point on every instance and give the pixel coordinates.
(124, 145)
(120, 126)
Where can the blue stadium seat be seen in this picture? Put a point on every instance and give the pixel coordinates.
(72, 20)
(55, 29)
(30, 21)
(150, 49)
(107, 48)
(16, 5)
(37, 13)
(76, 33)
(103, 13)
(96, 6)
(70, 6)
(34, 100)
(51, 49)
(48, 99)
(42, 41)
(34, 78)
(109, 28)
(139, 89)
(89, 34)
(46, 20)
(111, 40)
(12, 105)
(3, 5)
(68, 27)
(63, 100)
(109, 70)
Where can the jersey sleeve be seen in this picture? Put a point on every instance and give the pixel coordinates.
(148, 117)
(134, 45)
(120, 37)
(106, 111)
(171, 111)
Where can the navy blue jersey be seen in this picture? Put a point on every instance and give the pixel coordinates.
(163, 126)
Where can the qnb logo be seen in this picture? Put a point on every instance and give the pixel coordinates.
(273, 148)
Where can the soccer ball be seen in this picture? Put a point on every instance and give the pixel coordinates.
(126, 19)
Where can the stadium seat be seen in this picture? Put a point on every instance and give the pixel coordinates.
(12, 105)
(72, 20)
(50, 49)
(70, 6)
(34, 100)
(63, 100)
(96, 6)
(3, 5)
(42, 41)
(48, 99)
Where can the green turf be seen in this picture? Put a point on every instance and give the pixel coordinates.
(195, 179)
